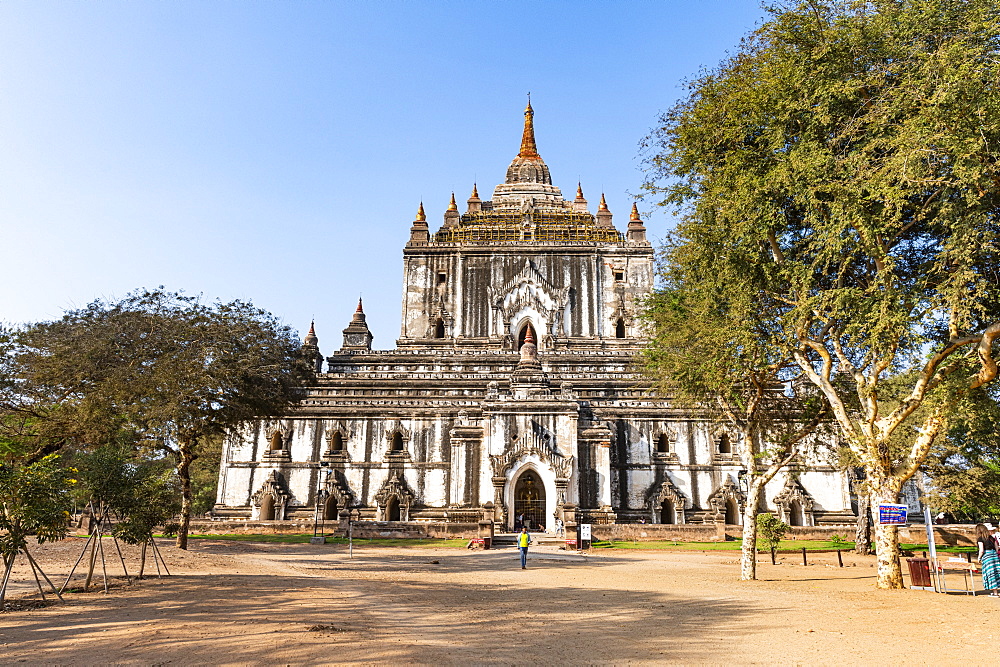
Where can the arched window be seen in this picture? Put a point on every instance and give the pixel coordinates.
(337, 442)
(732, 512)
(397, 442)
(667, 512)
(277, 442)
(725, 444)
(662, 444)
(524, 333)
(620, 328)
(267, 508)
(439, 328)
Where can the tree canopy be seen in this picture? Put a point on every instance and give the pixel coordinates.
(166, 368)
(842, 168)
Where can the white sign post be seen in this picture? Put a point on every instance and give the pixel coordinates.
(584, 536)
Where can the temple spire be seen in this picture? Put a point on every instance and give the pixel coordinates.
(452, 206)
(311, 337)
(421, 216)
(528, 148)
(360, 308)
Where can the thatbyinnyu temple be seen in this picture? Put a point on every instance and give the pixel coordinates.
(512, 384)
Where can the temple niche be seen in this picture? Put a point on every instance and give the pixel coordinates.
(511, 392)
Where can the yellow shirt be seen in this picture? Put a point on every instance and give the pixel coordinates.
(523, 539)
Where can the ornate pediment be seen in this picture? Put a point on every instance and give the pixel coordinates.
(793, 492)
(727, 490)
(668, 491)
(274, 486)
(338, 487)
(537, 444)
(395, 487)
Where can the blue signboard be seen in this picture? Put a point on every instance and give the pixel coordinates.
(892, 514)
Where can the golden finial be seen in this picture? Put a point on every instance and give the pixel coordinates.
(579, 190)
(528, 148)
(360, 308)
(635, 213)
(421, 217)
(452, 206)
(475, 192)
(604, 205)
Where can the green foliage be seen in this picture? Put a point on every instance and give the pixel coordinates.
(34, 500)
(156, 368)
(839, 541)
(205, 475)
(771, 530)
(965, 465)
(139, 495)
(842, 168)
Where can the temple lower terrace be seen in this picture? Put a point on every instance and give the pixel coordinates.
(246, 603)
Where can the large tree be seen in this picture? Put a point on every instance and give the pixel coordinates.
(708, 351)
(173, 370)
(846, 157)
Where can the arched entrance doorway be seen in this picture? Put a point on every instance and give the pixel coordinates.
(267, 508)
(667, 512)
(732, 512)
(795, 514)
(330, 508)
(392, 509)
(529, 501)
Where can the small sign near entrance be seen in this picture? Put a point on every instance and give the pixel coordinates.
(892, 515)
(585, 532)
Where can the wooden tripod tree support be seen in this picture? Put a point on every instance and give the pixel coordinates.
(35, 570)
(157, 558)
(96, 544)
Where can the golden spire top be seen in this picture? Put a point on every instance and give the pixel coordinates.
(421, 216)
(635, 213)
(604, 205)
(528, 148)
(360, 308)
(452, 206)
(579, 190)
(475, 192)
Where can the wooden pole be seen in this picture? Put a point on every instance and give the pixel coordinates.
(804, 561)
(6, 578)
(156, 550)
(104, 563)
(840, 558)
(49, 581)
(82, 554)
(38, 582)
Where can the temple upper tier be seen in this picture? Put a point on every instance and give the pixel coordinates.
(526, 207)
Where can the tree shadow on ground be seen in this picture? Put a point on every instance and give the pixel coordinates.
(421, 614)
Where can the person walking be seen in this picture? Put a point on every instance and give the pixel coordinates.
(523, 540)
(989, 563)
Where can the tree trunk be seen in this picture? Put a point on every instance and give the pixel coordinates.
(748, 555)
(142, 559)
(889, 574)
(185, 455)
(863, 530)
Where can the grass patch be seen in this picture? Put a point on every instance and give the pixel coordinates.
(303, 538)
(786, 546)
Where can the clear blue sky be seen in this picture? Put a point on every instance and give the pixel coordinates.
(277, 151)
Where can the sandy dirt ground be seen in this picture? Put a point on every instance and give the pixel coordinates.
(240, 603)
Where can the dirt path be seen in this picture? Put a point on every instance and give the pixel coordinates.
(238, 603)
